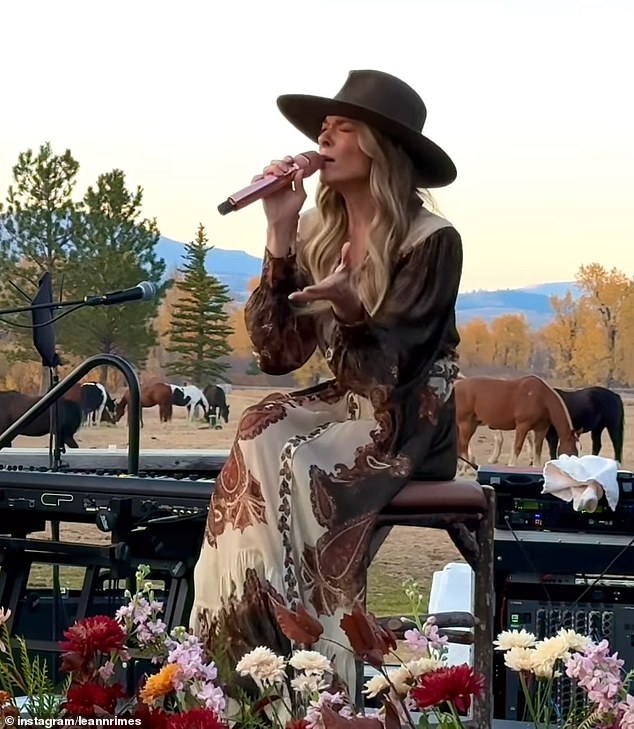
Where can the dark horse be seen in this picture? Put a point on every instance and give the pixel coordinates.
(217, 402)
(592, 409)
(13, 404)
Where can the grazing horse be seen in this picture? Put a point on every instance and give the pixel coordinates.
(178, 395)
(13, 404)
(96, 403)
(593, 409)
(217, 400)
(158, 393)
(523, 404)
(196, 399)
(191, 397)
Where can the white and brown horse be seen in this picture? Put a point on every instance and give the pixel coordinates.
(523, 404)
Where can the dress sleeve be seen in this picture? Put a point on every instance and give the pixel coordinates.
(417, 320)
(283, 340)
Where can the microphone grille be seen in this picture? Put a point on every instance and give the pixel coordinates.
(149, 290)
(310, 162)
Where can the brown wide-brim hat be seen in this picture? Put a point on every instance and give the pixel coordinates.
(385, 103)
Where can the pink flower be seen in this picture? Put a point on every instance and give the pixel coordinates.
(429, 639)
(416, 640)
(598, 673)
(626, 711)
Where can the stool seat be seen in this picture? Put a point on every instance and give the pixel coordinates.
(435, 497)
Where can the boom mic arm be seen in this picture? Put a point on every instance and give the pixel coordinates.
(143, 291)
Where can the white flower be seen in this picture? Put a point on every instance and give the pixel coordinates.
(307, 684)
(546, 654)
(4, 615)
(376, 685)
(418, 666)
(553, 648)
(312, 662)
(508, 639)
(519, 658)
(262, 665)
(574, 641)
(401, 679)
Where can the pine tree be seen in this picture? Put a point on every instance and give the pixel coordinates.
(200, 328)
(36, 231)
(115, 249)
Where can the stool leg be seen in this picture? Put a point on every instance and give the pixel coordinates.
(483, 610)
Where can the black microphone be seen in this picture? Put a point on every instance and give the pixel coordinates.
(143, 291)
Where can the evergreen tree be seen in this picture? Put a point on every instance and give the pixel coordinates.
(115, 249)
(36, 231)
(199, 325)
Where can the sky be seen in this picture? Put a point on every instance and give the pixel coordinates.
(532, 100)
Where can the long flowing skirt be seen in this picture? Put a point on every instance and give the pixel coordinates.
(294, 509)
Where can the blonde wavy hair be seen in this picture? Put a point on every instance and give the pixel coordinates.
(398, 200)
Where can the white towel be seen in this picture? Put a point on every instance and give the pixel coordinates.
(582, 480)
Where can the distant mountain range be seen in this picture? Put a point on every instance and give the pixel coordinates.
(233, 268)
(237, 268)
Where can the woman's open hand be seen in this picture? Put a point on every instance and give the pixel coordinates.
(337, 289)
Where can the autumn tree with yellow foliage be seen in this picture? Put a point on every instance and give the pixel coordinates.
(609, 295)
(476, 344)
(512, 342)
(586, 343)
(239, 341)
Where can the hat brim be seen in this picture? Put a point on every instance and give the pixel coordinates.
(307, 114)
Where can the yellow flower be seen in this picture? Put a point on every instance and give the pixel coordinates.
(159, 684)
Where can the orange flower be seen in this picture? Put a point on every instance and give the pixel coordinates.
(160, 684)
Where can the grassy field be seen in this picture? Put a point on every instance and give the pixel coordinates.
(407, 552)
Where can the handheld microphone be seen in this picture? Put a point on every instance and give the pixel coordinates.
(310, 162)
(143, 291)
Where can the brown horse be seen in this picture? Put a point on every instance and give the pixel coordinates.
(158, 393)
(14, 404)
(523, 404)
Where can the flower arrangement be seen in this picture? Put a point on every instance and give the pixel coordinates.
(300, 691)
(599, 687)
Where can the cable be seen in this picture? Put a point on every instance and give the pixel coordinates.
(528, 559)
(45, 323)
(22, 293)
(468, 462)
(604, 572)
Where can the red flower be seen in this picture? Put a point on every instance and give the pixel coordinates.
(89, 635)
(296, 724)
(150, 718)
(83, 699)
(195, 719)
(454, 683)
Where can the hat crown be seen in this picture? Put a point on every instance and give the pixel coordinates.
(384, 94)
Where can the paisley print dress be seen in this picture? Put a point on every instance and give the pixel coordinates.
(295, 505)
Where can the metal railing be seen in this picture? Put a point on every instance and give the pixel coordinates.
(134, 402)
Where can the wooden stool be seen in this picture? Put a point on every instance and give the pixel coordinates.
(466, 510)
